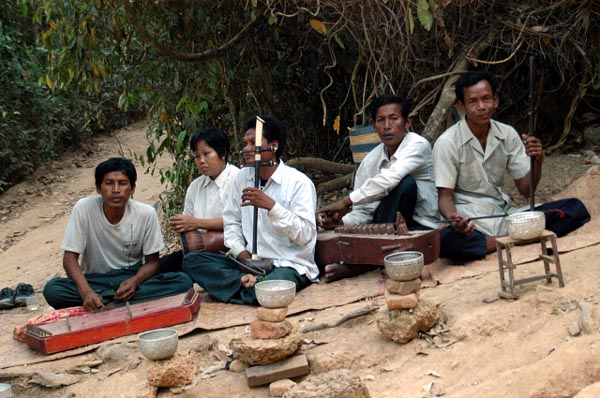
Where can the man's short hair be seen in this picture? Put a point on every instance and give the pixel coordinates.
(115, 164)
(386, 99)
(214, 138)
(273, 129)
(473, 77)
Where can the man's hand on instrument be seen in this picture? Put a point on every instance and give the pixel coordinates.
(533, 147)
(256, 197)
(92, 301)
(126, 290)
(327, 220)
(336, 210)
(182, 223)
(461, 224)
(244, 257)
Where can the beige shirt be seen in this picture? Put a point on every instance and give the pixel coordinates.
(476, 175)
(104, 246)
(378, 174)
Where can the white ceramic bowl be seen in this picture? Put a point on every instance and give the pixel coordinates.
(403, 266)
(158, 343)
(276, 293)
(525, 225)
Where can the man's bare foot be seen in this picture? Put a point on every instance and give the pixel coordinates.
(248, 280)
(335, 272)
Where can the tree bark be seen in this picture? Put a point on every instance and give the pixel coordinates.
(321, 165)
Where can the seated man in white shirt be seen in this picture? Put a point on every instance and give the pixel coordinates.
(286, 229)
(396, 176)
(118, 240)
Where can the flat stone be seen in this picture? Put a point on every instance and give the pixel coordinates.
(263, 352)
(280, 387)
(269, 330)
(402, 326)
(271, 314)
(176, 371)
(400, 302)
(334, 384)
(291, 367)
(403, 288)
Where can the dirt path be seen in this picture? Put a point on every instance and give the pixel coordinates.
(503, 349)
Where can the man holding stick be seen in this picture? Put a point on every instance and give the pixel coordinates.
(285, 233)
(470, 160)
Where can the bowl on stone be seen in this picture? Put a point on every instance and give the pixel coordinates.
(403, 266)
(275, 293)
(158, 344)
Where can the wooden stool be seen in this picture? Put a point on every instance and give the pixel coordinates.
(507, 243)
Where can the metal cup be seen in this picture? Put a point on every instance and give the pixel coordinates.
(32, 305)
(5, 390)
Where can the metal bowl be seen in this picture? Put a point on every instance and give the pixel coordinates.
(404, 266)
(276, 293)
(526, 225)
(158, 343)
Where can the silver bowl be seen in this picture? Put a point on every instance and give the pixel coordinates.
(403, 266)
(276, 293)
(158, 343)
(525, 225)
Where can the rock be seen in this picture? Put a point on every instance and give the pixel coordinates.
(574, 329)
(398, 302)
(591, 391)
(402, 326)
(280, 387)
(587, 323)
(263, 352)
(204, 344)
(176, 371)
(238, 366)
(403, 288)
(334, 384)
(269, 330)
(53, 380)
(323, 362)
(271, 314)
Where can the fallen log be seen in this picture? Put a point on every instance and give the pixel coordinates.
(323, 165)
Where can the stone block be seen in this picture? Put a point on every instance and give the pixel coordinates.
(271, 314)
(403, 287)
(178, 370)
(399, 302)
(269, 330)
(291, 367)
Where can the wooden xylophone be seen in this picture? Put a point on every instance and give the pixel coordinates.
(370, 243)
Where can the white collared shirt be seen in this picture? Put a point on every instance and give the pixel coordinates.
(477, 176)
(378, 174)
(287, 233)
(205, 198)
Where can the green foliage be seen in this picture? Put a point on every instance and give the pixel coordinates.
(37, 120)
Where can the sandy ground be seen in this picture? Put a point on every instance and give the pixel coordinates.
(503, 349)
